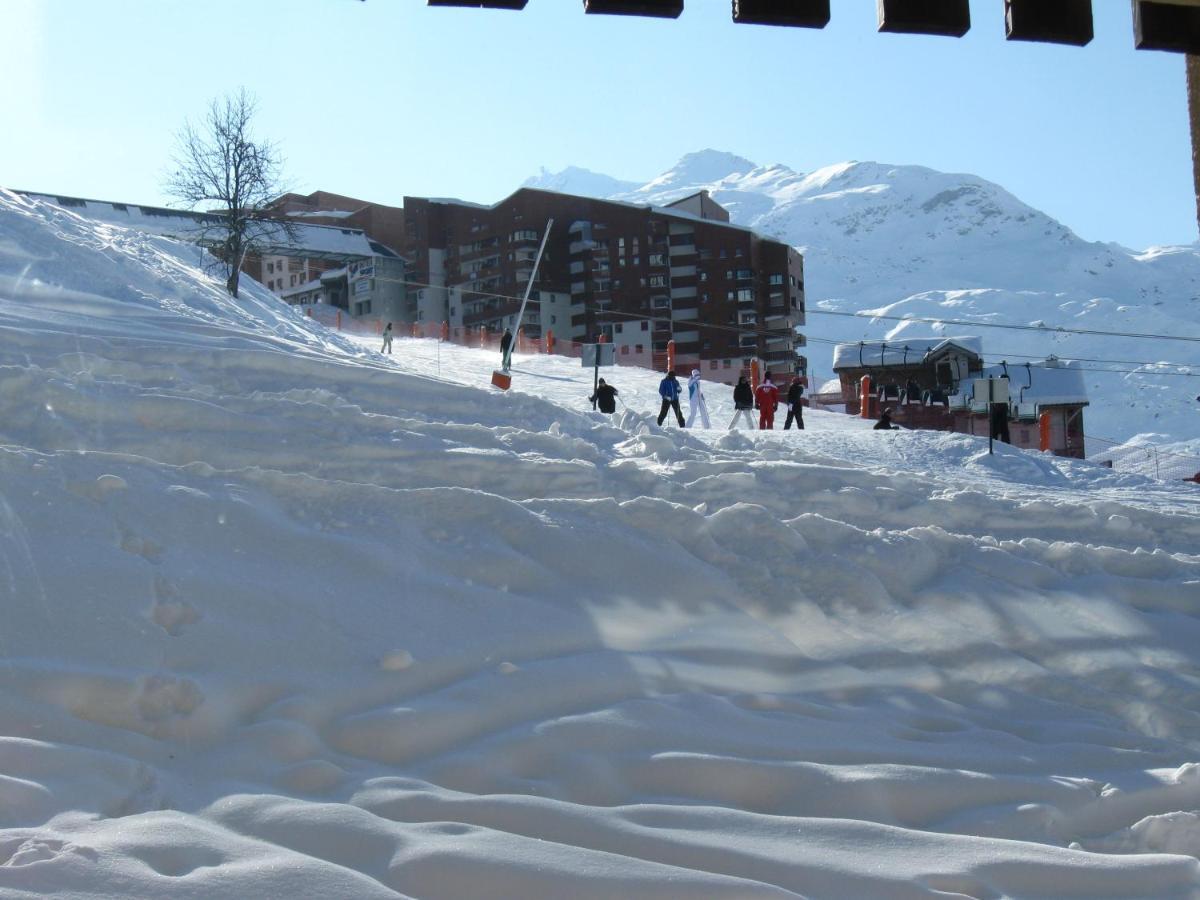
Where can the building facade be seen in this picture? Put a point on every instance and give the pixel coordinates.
(639, 276)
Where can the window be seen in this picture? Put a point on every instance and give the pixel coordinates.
(704, 298)
(738, 253)
(554, 320)
(645, 327)
(725, 364)
(729, 274)
(730, 296)
(619, 327)
(639, 348)
(775, 279)
(713, 363)
(656, 259)
(724, 253)
(271, 268)
(745, 294)
(744, 274)
(658, 281)
(524, 234)
(704, 276)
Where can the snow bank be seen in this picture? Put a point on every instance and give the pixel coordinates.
(284, 617)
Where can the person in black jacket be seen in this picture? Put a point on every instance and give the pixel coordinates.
(605, 397)
(885, 422)
(743, 402)
(506, 341)
(795, 410)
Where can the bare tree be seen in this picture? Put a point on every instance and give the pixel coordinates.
(219, 164)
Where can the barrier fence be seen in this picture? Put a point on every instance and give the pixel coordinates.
(486, 339)
(1143, 459)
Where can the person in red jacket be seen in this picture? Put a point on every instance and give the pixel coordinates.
(766, 398)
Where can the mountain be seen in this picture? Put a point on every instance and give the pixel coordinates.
(913, 241)
(574, 180)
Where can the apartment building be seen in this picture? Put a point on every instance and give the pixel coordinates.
(638, 275)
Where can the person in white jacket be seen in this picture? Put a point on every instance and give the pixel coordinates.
(696, 402)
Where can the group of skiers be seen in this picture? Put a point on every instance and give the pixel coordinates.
(765, 399)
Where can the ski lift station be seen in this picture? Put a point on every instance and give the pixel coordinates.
(933, 383)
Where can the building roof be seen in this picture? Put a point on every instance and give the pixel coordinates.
(312, 241)
(1053, 382)
(883, 354)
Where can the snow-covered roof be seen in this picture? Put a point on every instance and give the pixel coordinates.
(309, 240)
(1049, 383)
(881, 354)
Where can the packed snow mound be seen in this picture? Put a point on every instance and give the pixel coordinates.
(285, 617)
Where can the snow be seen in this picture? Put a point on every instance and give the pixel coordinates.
(286, 617)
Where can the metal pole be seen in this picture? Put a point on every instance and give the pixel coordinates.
(533, 275)
(596, 377)
(991, 411)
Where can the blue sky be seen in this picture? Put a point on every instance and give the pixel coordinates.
(383, 98)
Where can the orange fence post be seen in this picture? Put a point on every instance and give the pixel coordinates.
(671, 355)
(308, 311)
(549, 340)
(1044, 431)
(379, 327)
(521, 339)
(445, 331)
(339, 320)
(603, 339)
(864, 394)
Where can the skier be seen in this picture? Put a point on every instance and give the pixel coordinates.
(387, 339)
(795, 409)
(669, 390)
(605, 397)
(743, 402)
(506, 342)
(766, 398)
(696, 402)
(885, 422)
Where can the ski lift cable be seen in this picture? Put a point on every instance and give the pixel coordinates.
(1043, 329)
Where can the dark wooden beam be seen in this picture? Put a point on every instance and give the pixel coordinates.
(948, 18)
(661, 9)
(1052, 21)
(796, 13)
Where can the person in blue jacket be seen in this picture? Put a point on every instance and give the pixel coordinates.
(669, 390)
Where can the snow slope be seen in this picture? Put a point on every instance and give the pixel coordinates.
(912, 241)
(283, 617)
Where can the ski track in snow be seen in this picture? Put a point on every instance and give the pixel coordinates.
(287, 617)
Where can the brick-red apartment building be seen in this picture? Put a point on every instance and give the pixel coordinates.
(639, 275)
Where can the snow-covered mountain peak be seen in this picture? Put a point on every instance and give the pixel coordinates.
(579, 181)
(701, 168)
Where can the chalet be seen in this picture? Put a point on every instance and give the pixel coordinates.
(941, 384)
